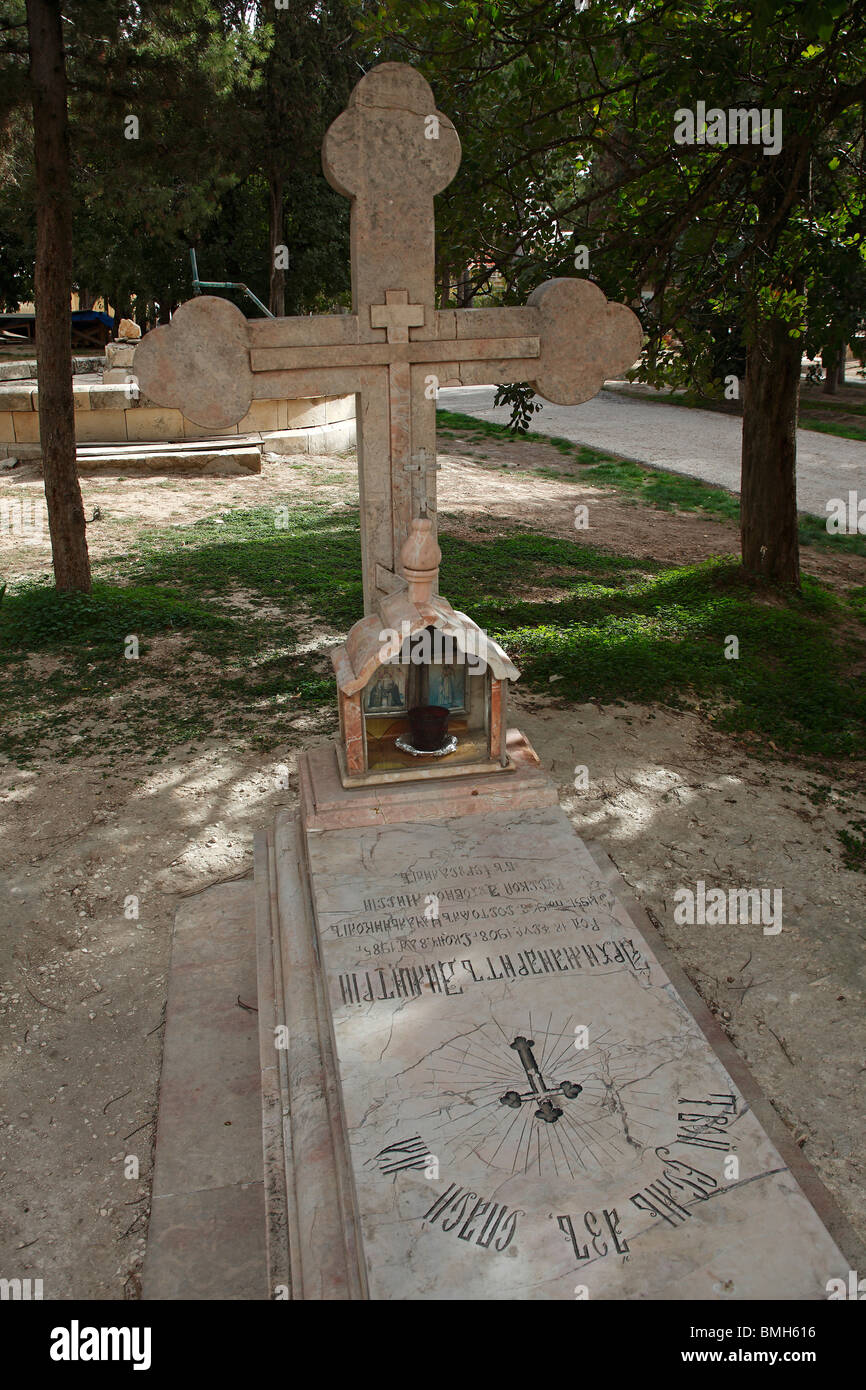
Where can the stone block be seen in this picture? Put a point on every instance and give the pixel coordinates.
(288, 442)
(17, 398)
(100, 426)
(264, 415)
(149, 424)
(476, 1118)
(333, 439)
(339, 408)
(191, 431)
(17, 371)
(304, 413)
(119, 354)
(7, 429)
(113, 397)
(26, 426)
(31, 452)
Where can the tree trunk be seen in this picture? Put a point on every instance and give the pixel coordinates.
(464, 289)
(277, 292)
(768, 488)
(53, 293)
(830, 363)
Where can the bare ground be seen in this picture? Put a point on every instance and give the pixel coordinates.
(82, 981)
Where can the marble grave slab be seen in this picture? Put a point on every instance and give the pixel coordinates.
(527, 1107)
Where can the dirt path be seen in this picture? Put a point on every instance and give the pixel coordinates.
(82, 979)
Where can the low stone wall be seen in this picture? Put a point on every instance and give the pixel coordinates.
(117, 414)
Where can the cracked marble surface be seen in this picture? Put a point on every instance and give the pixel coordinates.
(532, 1111)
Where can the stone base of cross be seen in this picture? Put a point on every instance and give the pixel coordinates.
(390, 152)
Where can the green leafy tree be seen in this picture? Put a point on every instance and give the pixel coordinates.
(306, 72)
(568, 116)
(120, 155)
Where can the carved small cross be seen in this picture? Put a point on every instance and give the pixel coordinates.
(539, 1090)
(394, 349)
(423, 463)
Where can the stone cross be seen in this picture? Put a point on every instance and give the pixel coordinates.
(390, 152)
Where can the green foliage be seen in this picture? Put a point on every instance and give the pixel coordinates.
(230, 593)
(613, 632)
(229, 99)
(523, 404)
(37, 618)
(567, 119)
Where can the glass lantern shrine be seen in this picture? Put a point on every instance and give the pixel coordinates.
(423, 691)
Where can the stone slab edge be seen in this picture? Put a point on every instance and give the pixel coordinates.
(280, 1207)
(311, 1212)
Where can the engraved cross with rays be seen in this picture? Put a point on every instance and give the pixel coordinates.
(539, 1089)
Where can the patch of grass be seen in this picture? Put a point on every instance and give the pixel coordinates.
(667, 491)
(235, 673)
(833, 403)
(233, 596)
(831, 427)
(813, 531)
(36, 618)
(854, 846)
(252, 550)
(614, 630)
(453, 422)
(692, 400)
